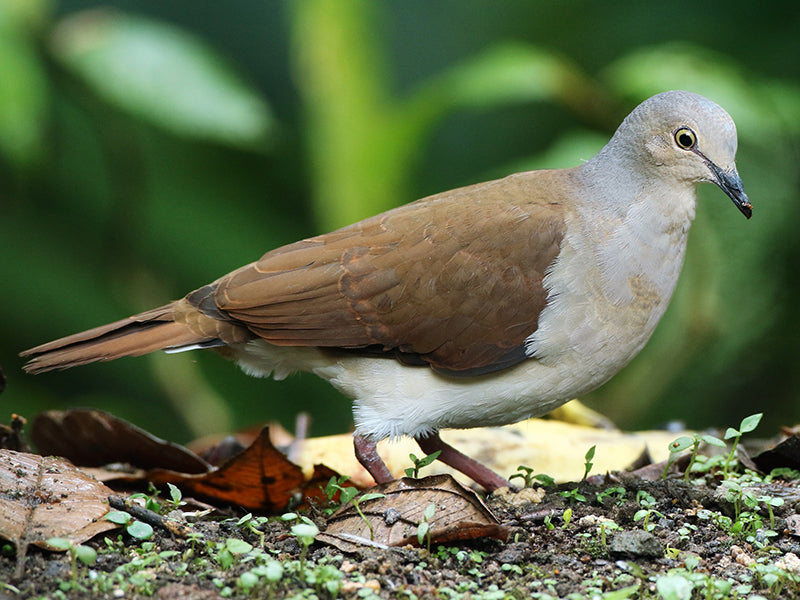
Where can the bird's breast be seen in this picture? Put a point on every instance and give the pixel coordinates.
(607, 290)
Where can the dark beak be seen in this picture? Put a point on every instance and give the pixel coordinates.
(730, 183)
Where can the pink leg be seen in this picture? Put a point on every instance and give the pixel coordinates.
(367, 455)
(461, 462)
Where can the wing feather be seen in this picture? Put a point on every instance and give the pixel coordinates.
(454, 281)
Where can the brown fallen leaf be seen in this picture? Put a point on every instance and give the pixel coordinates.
(785, 454)
(217, 448)
(394, 518)
(93, 438)
(260, 478)
(46, 497)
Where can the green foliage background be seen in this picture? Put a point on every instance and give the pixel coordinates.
(147, 147)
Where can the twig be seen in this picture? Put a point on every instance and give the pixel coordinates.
(150, 517)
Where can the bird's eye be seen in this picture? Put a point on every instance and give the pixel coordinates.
(685, 138)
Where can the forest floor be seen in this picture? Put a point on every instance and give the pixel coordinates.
(614, 536)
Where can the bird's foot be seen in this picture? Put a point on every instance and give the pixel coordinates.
(470, 467)
(367, 455)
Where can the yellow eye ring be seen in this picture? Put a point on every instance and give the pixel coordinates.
(685, 138)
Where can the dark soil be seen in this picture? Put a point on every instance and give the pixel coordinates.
(691, 551)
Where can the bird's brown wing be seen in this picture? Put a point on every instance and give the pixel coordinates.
(453, 281)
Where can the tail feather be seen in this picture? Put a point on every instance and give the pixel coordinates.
(141, 334)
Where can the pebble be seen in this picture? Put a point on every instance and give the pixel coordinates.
(635, 542)
(591, 520)
(790, 562)
(523, 496)
(741, 557)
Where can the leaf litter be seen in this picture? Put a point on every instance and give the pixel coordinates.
(610, 536)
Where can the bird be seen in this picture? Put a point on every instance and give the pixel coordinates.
(479, 306)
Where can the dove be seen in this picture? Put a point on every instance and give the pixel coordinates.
(479, 306)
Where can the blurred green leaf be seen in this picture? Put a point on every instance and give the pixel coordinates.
(358, 158)
(514, 73)
(23, 97)
(759, 107)
(22, 15)
(163, 75)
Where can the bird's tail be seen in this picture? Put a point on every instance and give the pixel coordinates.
(147, 332)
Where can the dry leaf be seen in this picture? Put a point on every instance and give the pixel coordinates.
(218, 448)
(260, 478)
(46, 497)
(257, 478)
(786, 454)
(93, 438)
(394, 519)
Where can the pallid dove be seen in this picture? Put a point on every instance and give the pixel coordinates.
(479, 306)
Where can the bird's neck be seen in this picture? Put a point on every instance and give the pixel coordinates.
(622, 191)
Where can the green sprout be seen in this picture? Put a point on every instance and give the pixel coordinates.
(350, 495)
(588, 464)
(336, 485)
(77, 552)
(420, 462)
(135, 528)
(682, 443)
(528, 478)
(424, 526)
(305, 530)
(572, 495)
(747, 425)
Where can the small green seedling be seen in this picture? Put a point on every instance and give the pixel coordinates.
(175, 497)
(771, 502)
(527, 476)
(135, 528)
(252, 524)
(588, 464)
(682, 443)
(336, 485)
(304, 530)
(151, 502)
(784, 473)
(617, 493)
(420, 462)
(747, 425)
(424, 526)
(357, 500)
(567, 517)
(350, 494)
(77, 552)
(644, 515)
(647, 502)
(603, 528)
(524, 473)
(572, 495)
(736, 495)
